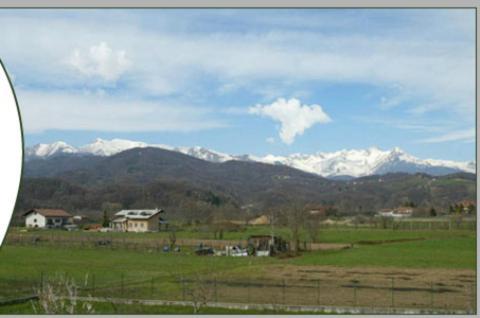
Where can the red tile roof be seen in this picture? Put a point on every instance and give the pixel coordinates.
(50, 212)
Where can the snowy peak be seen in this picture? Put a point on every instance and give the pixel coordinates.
(103, 147)
(205, 154)
(48, 150)
(353, 162)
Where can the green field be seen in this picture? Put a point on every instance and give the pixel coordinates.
(150, 274)
(440, 249)
(27, 309)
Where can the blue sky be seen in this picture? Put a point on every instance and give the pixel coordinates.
(248, 81)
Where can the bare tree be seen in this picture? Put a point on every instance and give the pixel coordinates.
(59, 296)
(200, 291)
(312, 225)
(172, 237)
(295, 215)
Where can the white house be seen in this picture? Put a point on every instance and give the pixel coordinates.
(401, 212)
(47, 218)
(137, 220)
(386, 212)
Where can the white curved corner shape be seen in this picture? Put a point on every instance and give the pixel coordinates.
(12, 151)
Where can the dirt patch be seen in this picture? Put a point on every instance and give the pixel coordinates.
(376, 286)
(377, 242)
(402, 289)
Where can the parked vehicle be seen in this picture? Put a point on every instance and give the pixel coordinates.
(236, 251)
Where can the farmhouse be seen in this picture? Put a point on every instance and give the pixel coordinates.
(47, 218)
(260, 220)
(404, 211)
(466, 206)
(396, 213)
(137, 221)
(386, 212)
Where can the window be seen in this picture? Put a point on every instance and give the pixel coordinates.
(34, 220)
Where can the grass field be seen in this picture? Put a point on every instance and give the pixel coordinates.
(27, 308)
(447, 254)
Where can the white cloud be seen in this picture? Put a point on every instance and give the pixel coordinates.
(467, 135)
(270, 140)
(294, 117)
(100, 60)
(43, 111)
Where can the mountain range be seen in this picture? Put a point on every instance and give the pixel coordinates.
(84, 180)
(343, 164)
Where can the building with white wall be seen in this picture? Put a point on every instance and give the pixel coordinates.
(47, 218)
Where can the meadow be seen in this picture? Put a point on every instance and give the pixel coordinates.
(377, 255)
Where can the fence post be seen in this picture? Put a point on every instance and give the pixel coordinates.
(215, 288)
(318, 292)
(121, 285)
(431, 295)
(283, 291)
(473, 298)
(93, 285)
(41, 280)
(355, 294)
(393, 296)
(152, 287)
(183, 287)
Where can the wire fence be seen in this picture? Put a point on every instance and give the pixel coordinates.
(381, 293)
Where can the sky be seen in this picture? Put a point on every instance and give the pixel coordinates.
(247, 81)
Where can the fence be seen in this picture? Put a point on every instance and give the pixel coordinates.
(156, 245)
(408, 224)
(112, 242)
(387, 293)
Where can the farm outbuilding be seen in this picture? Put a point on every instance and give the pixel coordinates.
(267, 243)
(47, 218)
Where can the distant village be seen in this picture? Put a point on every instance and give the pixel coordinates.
(153, 220)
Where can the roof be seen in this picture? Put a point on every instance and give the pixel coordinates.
(385, 210)
(466, 203)
(404, 210)
(119, 219)
(138, 214)
(261, 220)
(50, 212)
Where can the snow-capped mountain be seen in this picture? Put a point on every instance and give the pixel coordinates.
(101, 147)
(359, 163)
(110, 147)
(48, 150)
(353, 163)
